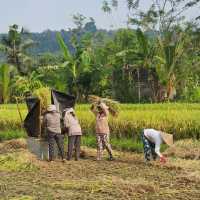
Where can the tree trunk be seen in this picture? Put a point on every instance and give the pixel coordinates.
(139, 89)
(171, 90)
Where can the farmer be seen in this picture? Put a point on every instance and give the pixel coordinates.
(51, 124)
(101, 112)
(152, 140)
(74, 133)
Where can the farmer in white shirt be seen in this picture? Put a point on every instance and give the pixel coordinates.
(152, 140)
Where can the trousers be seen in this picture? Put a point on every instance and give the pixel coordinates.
(59, 139)
(103, 142)
(74, 142)
(149, 148)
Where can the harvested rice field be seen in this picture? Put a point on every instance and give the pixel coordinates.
(23, 176)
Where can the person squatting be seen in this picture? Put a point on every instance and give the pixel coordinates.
(151, 138)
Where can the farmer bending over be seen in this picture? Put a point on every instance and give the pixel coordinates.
(51, 123)
(74, 133)
(102, 129)
(152, 139)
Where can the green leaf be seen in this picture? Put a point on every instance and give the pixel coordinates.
(160, 59)
(5, 81)
(63, 47)
(85, 58)
(143, 42)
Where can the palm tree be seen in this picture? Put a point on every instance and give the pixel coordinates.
(143, 57)
(170, 51)
(14, 46)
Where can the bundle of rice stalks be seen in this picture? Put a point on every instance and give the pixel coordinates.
(13, 145)
(94, 99)
(112, 104)
(44, 95)
(186, 149)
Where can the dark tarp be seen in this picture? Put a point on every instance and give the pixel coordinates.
(61, 100)
(32, 120)
(30, 102)
(32, 123)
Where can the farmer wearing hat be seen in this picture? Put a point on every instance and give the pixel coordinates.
(71, 123)
(152, 140)
(51, 124)
(101, 112)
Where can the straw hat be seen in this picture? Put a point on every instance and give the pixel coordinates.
(167, 138)
(51, 108)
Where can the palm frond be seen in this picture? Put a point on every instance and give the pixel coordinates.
(106, 7)
(143, 42)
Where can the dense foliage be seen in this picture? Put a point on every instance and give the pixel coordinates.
(155, 59)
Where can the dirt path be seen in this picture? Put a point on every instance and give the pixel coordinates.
(22, 176)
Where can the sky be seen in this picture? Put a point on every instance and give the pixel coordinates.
(40, 15)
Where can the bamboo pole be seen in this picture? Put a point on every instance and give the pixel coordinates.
(18, 109)
(139, 86)
(39, 120)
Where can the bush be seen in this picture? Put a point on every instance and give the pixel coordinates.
(192, 94)
(11, 134)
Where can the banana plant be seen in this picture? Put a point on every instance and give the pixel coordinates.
(23, 84)
(75, 64)
(4, 82)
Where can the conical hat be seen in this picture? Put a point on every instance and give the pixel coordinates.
(167, 138)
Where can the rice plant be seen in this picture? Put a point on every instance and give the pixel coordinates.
(182, 120)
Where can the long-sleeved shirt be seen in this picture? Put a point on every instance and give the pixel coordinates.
(102, 126)
(72, 123)
(154, 136)
(51, 122)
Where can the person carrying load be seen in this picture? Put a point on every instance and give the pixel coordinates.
(101, 112)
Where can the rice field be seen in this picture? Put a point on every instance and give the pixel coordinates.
(128, 177)
(23, 176)
(182, 120)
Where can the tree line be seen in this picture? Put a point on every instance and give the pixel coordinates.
(155, 59)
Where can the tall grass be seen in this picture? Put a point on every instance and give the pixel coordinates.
(11, 134)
